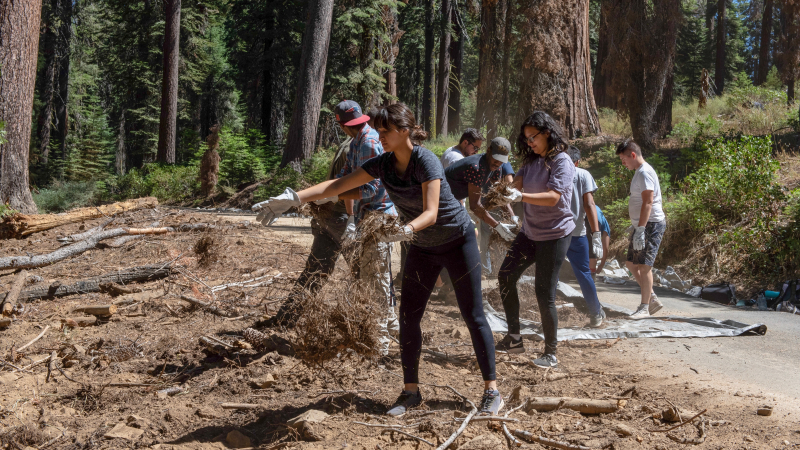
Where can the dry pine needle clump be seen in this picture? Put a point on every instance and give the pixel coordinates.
(496, 197)
(371, 229)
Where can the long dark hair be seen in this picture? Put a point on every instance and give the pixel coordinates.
(402, 118)
(555, 141)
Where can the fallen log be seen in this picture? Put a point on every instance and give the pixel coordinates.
(97, 310)
(5, 322)
(13, 294)
(83, 321)
(582, 405)
(21, 225)
(135, 274)
(29, 262)
(81, 236)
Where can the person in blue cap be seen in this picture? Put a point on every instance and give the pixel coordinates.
(375, 263)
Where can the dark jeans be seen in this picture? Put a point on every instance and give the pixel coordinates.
(548, 256)
(423, 265)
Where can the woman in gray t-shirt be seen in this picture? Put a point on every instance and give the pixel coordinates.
(546, 182)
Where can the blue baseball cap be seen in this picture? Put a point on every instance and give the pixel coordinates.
(348, 113)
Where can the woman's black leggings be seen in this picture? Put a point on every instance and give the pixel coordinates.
(548, 256)
(423, 265)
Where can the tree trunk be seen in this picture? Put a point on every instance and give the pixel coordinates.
(508, 45)
(311, 81)
(443, 89)
(602, 97)
(64, 53)
(766, 39)
(120, 158)
(395, 33)
(417, 93)
(557, 73)
(428, 88)
(790, 91)
(662, 120)
(719, 66)
(48, 88)
(19, 45)
(169, 84)
(457, 57)
(490, 57)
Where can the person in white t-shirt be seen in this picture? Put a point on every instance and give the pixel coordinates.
(648, 223)
(469, 144)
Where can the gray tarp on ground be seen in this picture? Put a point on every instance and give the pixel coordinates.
(668, 326)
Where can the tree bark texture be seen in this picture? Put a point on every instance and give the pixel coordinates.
(19, 45)
(457, 59)
(443, 89)
(640, 60)
(64, 53)
(787, 55)
(490, 57)
(167, 128)
(662, 120)
(311, 81)
(395, 33)
(121, 155)
(602, 97)
(557, 73)
(508, 49)
(719, 64)
(428, 87)
(766, 39)
(48, 83)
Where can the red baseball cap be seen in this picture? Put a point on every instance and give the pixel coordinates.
(348, 113)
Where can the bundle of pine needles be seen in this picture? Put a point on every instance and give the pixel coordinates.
(496, 197)
(373, 228)
(319, 212)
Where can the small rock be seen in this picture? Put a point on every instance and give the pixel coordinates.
(765, 411)
(236, 439)
(786, 443)
(264, 382)
(137, 421)
(749, 438)
(519, 393)
(624, 430)
(639, 439)
(122, 431)
(483, 442)
(310, 416)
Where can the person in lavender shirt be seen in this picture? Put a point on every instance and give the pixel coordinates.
(545, 182)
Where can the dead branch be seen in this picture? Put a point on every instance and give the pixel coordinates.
(84, 321)
(51, 366)
(29, 262)
(34, 339)
(488, 418)
(395, 430)
(208, 307)
(81, 236)
(115, 290)
(247, 284)
(514, 441)
(701, 427)
(135, 274)
(240, 406)
(13, 293)
(120, 241)
(97, 310)
(680, 424)
(464, 424)
(379, 425)
(549, 442)
(585, 406)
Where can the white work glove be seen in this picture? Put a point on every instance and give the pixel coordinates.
(516, 220)
(322, 201)
(405, 234)
(504, 231)
(350, 231)
(597, 244)
(270, 210)
(638, 238)
(514, 196)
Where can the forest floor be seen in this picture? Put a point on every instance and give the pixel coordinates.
(107, 387)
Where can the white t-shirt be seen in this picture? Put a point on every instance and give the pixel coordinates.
(645, 179)
(583, 183)
(450, 156)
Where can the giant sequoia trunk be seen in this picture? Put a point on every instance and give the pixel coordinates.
(48, 83)
(428, 91)
(490, 57)
(444, 72)
(64, 52)
(167, 130)
(602, 96)
(556, 74)
(766, 38)
(719, 65)
(640, 62)
(662, 120)
(19, 45)
(311, 80)
(457, 58)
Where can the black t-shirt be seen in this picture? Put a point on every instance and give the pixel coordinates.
(452, 221)
(470, 170)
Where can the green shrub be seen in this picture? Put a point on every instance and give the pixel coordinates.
(244, 156)
(6, 211)
(66, 195)
(168, 183)
(698, 130)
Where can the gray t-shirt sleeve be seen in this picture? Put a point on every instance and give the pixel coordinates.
(562, 172)
(428, 168)
(373, 166)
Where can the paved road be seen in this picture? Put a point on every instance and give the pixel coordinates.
(766, 365)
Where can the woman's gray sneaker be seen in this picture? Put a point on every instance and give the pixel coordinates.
(491, 403)
(642, 312)
(596, 321)
(407, 399)
(546, 361)
(510, 345)
(655, 305)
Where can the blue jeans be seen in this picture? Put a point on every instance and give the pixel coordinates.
(578, 254)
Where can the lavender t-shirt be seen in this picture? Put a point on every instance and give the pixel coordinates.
(546, 223)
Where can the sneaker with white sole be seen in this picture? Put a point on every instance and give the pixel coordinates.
(642, 312)
(596, 321)
(406, 400)
(655, 305)
(510, 345)
(546, 361)
(491, 403)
